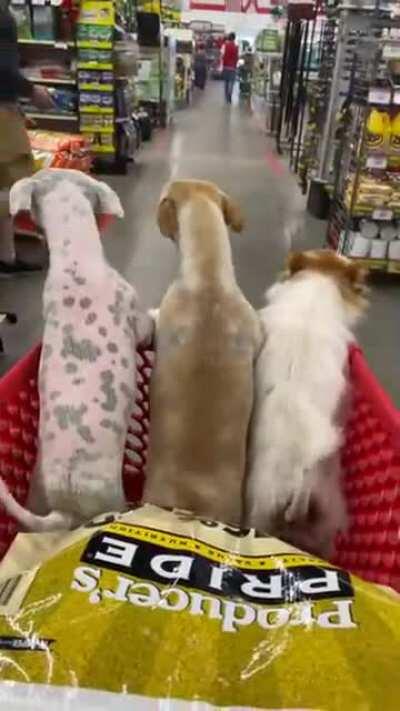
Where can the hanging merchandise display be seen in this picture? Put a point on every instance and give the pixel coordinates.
(318, 101)
(345, 26)
(266, 76)
(156, 64)
(183, 64)
(364, 222)
(300, 66)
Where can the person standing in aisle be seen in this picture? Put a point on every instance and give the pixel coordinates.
(15, 153)
(200, 66)
(230, 58)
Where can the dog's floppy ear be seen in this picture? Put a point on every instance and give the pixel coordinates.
(232, 213)
(21, 195)
(108, 200)
(167, 218)
(296, 262)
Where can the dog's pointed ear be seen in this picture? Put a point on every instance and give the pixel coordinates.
(21, 195)
(296, 262)
(167, 218)
(232, 213)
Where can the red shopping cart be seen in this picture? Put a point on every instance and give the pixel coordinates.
(371, 458)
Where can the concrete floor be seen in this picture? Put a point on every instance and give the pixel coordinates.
(226, 145)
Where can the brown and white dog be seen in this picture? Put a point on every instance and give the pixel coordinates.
(207, 335)
(293, 488)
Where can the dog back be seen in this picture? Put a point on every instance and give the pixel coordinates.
(201, 398)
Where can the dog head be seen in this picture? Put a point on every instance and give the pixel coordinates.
(178, 193)
(28, 194)
(348, 275)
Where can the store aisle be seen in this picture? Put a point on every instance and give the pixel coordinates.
(226, 145)
(214, 142)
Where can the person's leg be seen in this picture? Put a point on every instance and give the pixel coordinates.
(20, 167)
(7, 245)
(226, 84)
(232, 77)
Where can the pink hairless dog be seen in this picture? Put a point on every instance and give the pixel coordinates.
(87, 369)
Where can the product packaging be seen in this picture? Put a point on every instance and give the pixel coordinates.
(164, 611)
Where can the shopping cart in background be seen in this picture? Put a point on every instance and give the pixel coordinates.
(371, 459)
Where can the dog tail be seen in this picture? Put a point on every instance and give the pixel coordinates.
(30, 521)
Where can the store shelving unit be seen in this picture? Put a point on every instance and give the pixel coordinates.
(83, 68)
(364, 222)
(183, 64)
(266, 77)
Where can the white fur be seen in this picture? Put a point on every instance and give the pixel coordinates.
(87, 369)
(300, 385)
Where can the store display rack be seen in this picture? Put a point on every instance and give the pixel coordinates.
(184, 39)
(89, 68)
(300, 65)
(266, 77)
(345, 25)
(364, 222)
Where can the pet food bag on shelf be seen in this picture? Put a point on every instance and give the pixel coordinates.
(60, 150)
(152, 610)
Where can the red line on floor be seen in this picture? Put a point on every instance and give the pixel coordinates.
(274, 163)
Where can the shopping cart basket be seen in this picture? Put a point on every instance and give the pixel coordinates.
(371, 458)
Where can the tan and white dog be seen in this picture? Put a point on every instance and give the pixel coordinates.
(207, 337)
(293, 488)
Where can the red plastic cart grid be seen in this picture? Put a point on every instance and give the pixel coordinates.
(371, 458)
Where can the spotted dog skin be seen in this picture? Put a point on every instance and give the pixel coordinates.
(87, 369)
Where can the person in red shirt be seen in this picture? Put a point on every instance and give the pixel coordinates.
(230, 58)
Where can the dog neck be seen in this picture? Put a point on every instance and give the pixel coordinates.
(70, 228)
(204, 245)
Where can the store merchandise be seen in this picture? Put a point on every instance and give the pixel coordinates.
(266, 74)
(165, 596)
(344, 30)
(367, 162)
(23, 20)
(82, 52)
(76, 428)
(369, 229)
(148, 24)
(60, 150)
(358, 246)
(94, 33)
(145, 124)
(378, 249)
(184, 73)
(378, 131)
(44, 22)
(394, 250)
(301, 61)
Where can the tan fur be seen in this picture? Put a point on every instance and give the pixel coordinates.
(202, 386)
